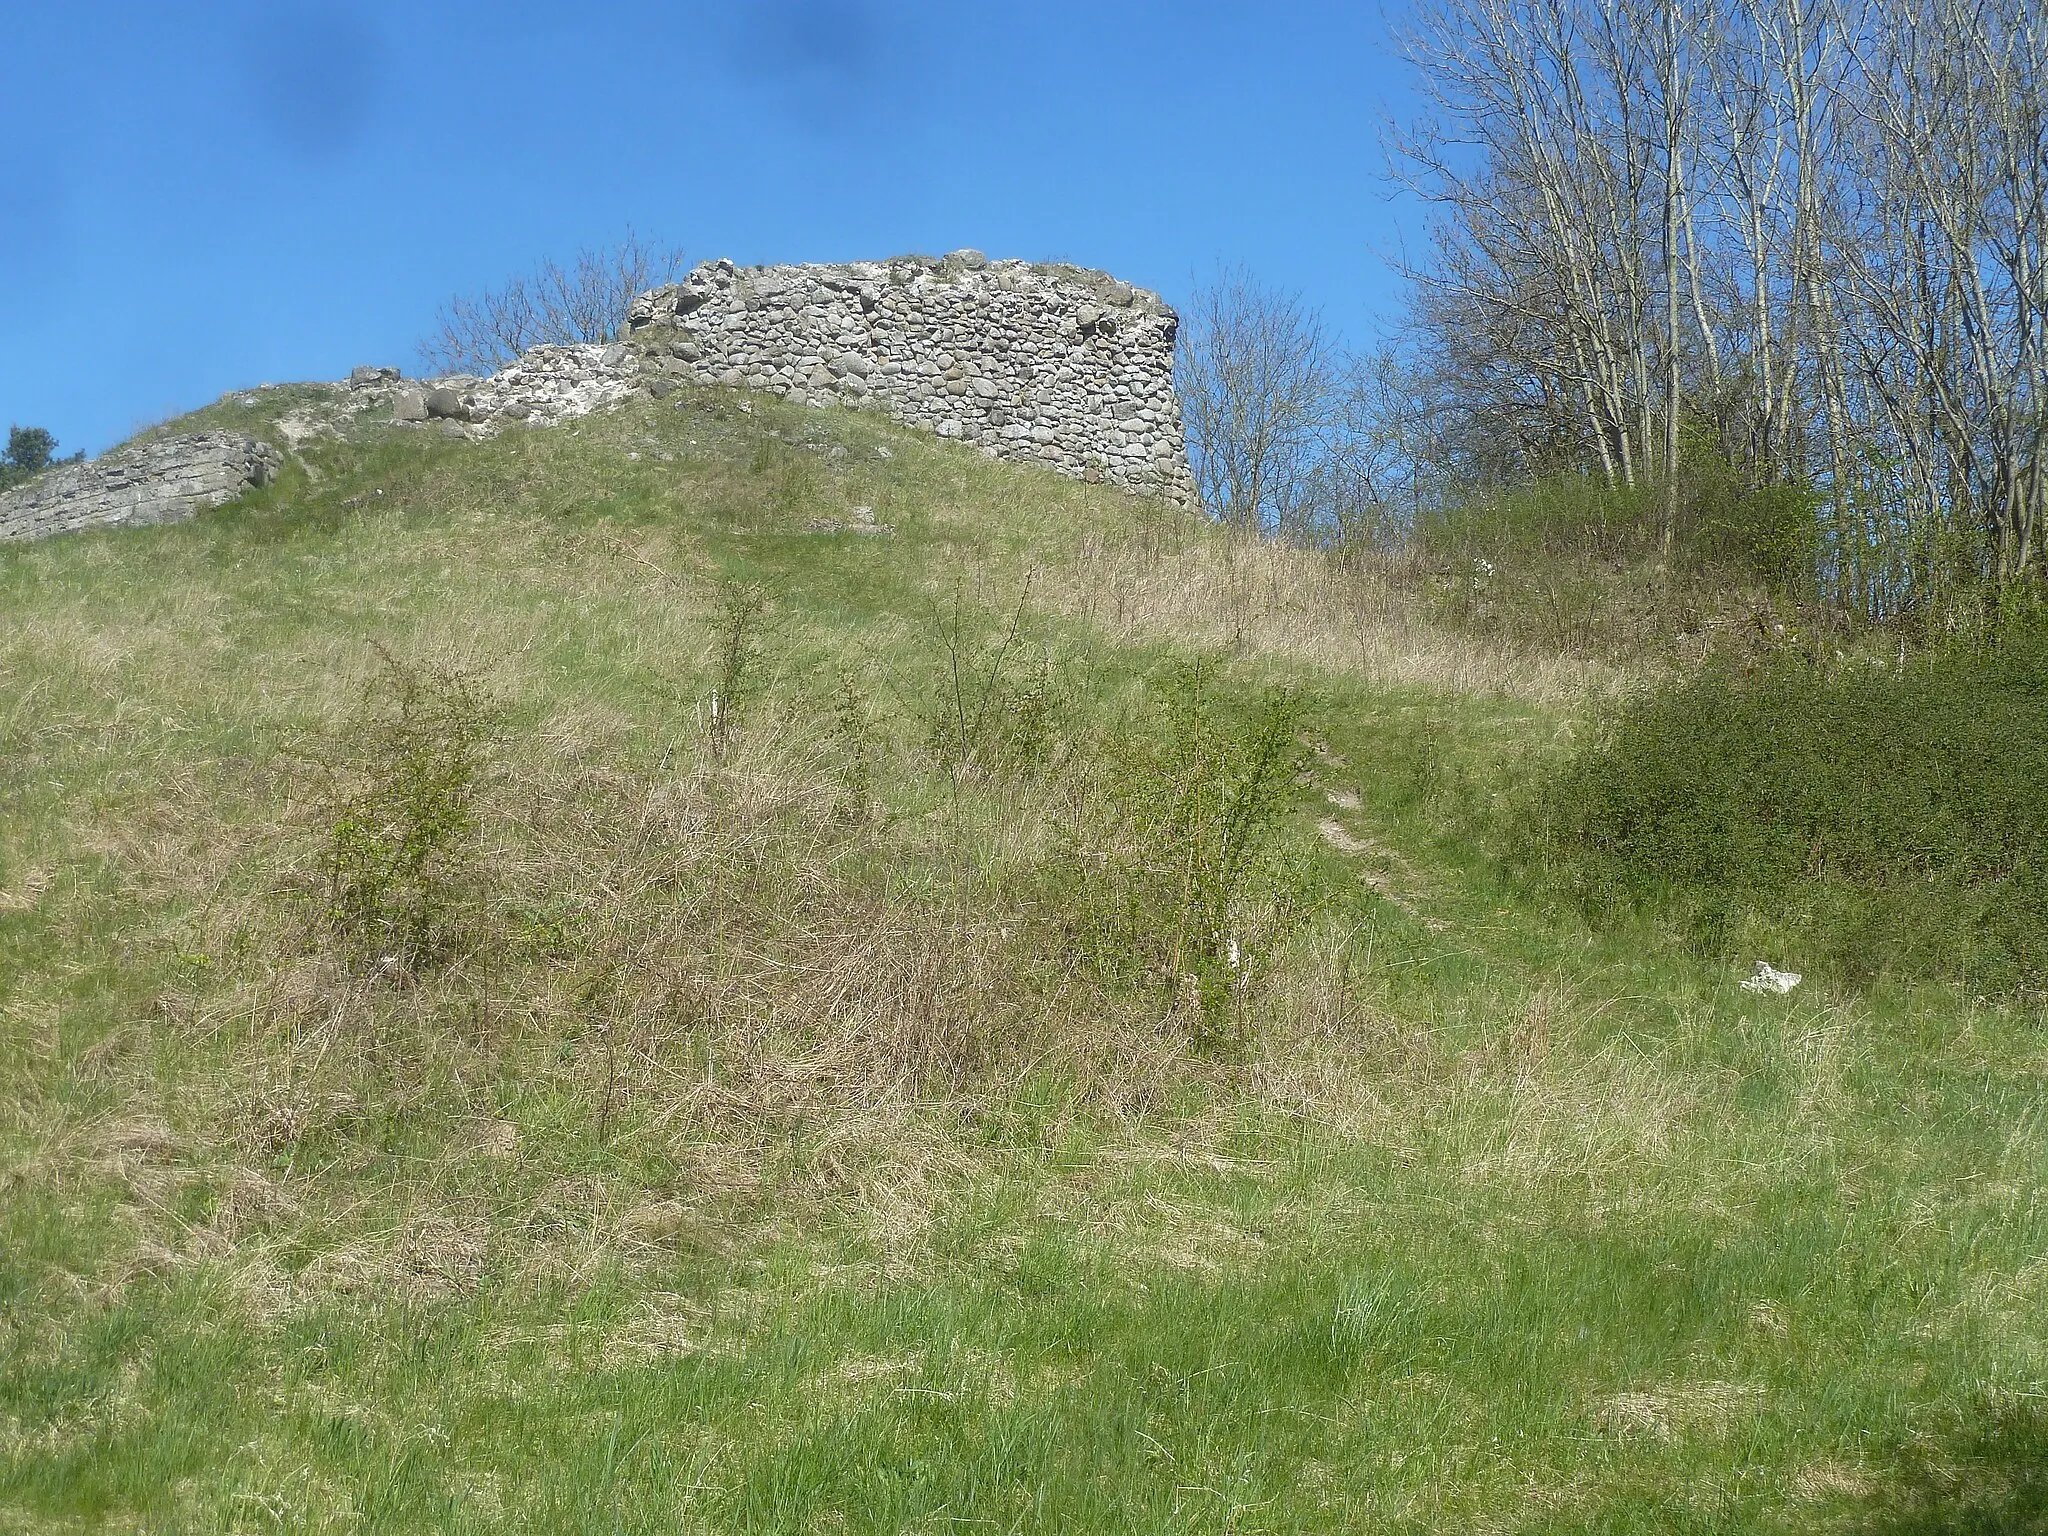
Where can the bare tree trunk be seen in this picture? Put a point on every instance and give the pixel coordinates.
(1672, 91)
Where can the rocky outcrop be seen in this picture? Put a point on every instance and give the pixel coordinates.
(1047, 364)
(157, 481)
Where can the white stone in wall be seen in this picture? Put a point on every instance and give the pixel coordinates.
(1050, 365)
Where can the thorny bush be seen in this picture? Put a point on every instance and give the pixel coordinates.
(1895, 815)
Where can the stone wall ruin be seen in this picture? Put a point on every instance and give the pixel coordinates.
(1045, 364)
(159, 480)
(1040, 364)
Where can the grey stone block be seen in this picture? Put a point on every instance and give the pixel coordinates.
(162, 480)
(445, 405)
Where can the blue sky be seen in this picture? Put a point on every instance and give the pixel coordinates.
(195, 198)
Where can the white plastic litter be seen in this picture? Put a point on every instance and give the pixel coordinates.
(1769, 978)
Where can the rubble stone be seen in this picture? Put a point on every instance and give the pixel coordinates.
(964, 347)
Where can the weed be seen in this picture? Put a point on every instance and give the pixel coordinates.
(735, 660)
(1177, 882)
(999, 702)
(853, 733)
(400, 814)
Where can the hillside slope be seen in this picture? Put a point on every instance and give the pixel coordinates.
(731, 967)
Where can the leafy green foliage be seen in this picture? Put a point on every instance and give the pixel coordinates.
(401, 820)
(1576, 566)
(1902, 810)
(29, 452)
(1770, 534)
(736, 660)
(1574, 516)
(1181, 881)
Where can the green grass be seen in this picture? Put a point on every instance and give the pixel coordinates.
(765, 1159)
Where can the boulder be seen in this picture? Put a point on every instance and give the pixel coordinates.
(446, 405)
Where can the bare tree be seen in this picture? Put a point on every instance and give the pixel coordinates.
(1813, 228)
(1951, 269)
(1675, 64)
(553, 305)
(1393, 453)
(1258, 380)
(1537, 152)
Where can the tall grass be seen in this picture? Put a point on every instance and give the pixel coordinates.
(1584, 568)
(798, 1118)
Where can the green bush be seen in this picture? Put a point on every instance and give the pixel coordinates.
(29, 451)
(1578, 517)
(400, 821)
(1177, 878)
(1575, 566)
(1899, 813)
(1768, 534)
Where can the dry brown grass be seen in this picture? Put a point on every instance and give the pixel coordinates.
(1360, 617)
(751, 1001)
(721, 970)
(690, 994)
(743, 999)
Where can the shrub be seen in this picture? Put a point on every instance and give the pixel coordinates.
(736, 677)
(400, 815)
(1571, 564)
(1900, 811)
(1176, 877)
(1577, 517)
(1770, 534)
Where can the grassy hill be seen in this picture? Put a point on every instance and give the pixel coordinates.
(737, 968)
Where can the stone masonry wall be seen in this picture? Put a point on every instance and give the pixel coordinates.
(1052, 365)
(1047, 364)
(159, 481)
